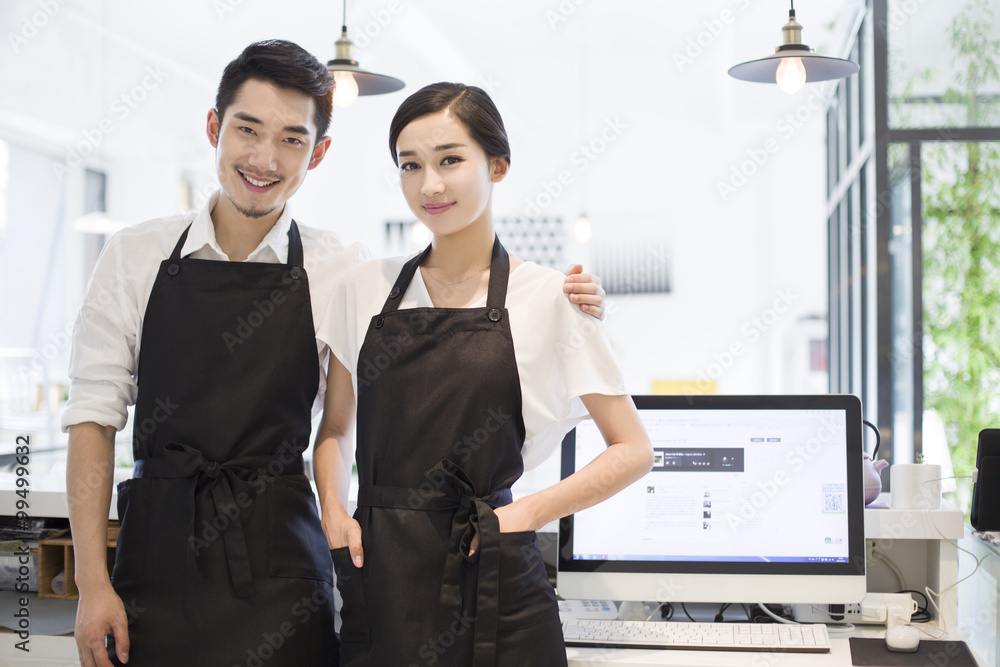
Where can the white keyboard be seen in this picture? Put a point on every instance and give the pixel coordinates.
(806, 638)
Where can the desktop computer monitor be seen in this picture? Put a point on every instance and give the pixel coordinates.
(750, 499)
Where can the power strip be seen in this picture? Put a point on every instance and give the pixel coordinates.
(875, 608)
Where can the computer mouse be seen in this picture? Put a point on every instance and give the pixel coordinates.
(902, 639)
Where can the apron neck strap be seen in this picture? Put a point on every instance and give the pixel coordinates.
(176, 254)
(403, 281)
(499, 271)
(294, 245)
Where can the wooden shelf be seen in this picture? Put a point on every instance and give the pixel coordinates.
(55, 555)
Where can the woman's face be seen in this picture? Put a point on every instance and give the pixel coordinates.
(447, 177)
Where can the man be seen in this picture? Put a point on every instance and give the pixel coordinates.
(206, 323)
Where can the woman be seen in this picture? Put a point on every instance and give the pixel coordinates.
(467, 366)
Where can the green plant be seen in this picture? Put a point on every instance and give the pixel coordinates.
(961, 250)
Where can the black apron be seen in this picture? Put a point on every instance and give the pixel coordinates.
(439, 444)
(221, 560)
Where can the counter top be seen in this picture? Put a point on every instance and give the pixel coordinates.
(884, 522)
(47, 494)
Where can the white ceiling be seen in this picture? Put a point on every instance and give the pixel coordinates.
(546, 62)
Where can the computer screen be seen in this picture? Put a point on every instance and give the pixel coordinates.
(750, 499)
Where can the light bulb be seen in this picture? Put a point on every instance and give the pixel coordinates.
(346, 91)
(791, 75)
(582, 229)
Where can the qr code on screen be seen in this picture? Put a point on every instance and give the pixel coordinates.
(833, 502)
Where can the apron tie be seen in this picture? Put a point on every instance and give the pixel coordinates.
(184, 462)
(473, 514)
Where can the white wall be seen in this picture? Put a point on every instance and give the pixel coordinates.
(645, 83)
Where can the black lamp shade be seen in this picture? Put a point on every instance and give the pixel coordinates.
(818, 68)
(369, 83)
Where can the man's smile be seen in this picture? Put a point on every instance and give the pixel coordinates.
(257, 184)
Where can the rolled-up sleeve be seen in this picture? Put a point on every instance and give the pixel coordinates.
(104, 356)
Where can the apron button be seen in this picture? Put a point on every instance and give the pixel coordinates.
(173, 269)
(496, 315)
(295, 273)
(379, 321)
(394, 293)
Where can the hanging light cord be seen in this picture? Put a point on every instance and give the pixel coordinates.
(343, 23)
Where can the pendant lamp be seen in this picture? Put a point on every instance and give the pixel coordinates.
(351, 79)
(793, 64)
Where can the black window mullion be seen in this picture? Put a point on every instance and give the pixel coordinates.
(916, 225)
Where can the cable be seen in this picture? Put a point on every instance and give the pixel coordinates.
(930, 591)
(954, 543)
(878, 555)
(777, 618)
(930, 501)
(665, 614)
(758, 616)
(766, 616)
(922, 615)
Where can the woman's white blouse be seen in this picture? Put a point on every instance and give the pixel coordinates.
(562, 353)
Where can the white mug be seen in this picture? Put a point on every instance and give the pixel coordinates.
(915, 486)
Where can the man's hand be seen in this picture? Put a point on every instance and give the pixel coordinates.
(99, 613)
(585, 289)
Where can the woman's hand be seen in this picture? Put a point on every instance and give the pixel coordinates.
(344, 531)
(627, 458)
(512, 518)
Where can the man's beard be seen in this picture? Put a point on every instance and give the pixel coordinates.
(253, 213)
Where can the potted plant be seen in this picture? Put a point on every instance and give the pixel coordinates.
(915, 485)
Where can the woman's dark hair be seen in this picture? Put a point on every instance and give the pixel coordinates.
(286, 65)
(469, 104)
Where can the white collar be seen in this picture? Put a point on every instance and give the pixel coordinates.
(202, 233)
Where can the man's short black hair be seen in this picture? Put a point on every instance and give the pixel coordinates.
(286, 65)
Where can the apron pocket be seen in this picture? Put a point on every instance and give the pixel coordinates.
(296, 546)
(526, 596)
(354, 625)
(133, 514)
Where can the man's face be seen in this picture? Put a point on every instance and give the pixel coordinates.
(264, 145)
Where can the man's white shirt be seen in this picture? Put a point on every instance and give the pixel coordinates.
(108, 330)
